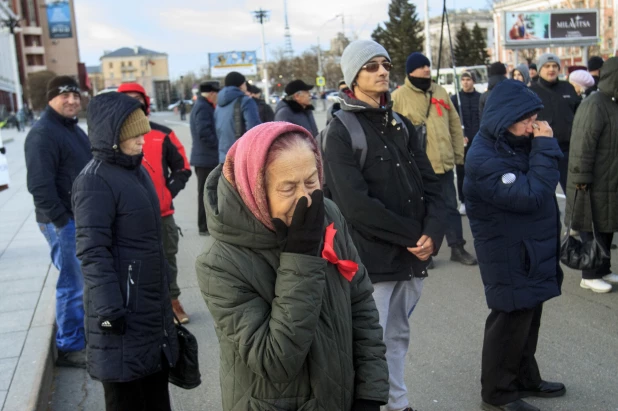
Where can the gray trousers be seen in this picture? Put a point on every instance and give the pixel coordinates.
(170, 248)
(395, 301)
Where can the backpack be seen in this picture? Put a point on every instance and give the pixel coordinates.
(239, 120)
(357, 134)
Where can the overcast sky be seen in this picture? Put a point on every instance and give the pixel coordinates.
(187, 30)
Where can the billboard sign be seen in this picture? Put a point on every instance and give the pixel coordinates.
(59, 20)
(221, 64)
(544, 28)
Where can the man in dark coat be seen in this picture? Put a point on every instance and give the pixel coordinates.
(594, 68)
(510, 199)
(182, 109)
(392, 203)
(205, 147)
(470, 100)
(296, 108)
(560, 101)
(497, 73)
(593, 166)
(266, 112)
(56, 151)
(130, 328)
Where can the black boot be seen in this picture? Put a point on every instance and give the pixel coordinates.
(459, 254)
(517, 405)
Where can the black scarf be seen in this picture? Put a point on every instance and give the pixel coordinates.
(518, 142)
(420, 83)
(548, 84)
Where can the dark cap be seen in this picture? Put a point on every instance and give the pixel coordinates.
(61, 85)
(208, 86)
(497, 69)
(341, 83)
(234, 79)
(253, 89)
(595, 63)
(532, 66)
(295, 86)
(469, 75)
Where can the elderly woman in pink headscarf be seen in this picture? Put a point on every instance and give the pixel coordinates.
(292, 303)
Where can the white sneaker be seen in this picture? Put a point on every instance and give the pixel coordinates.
(597, 285)
(611, 278)
(462, 209)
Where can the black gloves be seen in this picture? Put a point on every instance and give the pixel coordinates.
(2, 150)
(304, 235)
(175, 185)
(117, 326)
(365, 405)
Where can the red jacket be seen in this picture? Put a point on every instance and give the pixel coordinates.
(166, 162)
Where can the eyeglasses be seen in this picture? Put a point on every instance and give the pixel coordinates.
(375, 66)
(527, 123)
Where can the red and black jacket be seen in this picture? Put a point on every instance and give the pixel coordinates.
(167, 164)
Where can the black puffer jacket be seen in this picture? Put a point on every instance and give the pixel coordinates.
(470, 105)
(118, 229)
(493, 82)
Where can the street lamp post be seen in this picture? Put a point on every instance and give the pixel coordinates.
(262, 16)
(320, 72)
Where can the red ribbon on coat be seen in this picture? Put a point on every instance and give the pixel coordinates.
(439, 103)
(346, 268)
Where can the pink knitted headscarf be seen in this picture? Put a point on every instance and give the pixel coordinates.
(245, 165)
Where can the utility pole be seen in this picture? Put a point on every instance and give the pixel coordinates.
(11, 21)
(427, 42)
(289, 51)
(262, 16)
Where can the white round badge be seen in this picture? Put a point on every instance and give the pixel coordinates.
(508, 178)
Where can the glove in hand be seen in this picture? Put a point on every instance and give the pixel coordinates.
(304, 235)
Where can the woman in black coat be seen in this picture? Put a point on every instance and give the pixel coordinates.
(130, 333)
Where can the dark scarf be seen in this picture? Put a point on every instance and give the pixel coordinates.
(518, 142)
(420, 83)
(296, 107)
(548, 84)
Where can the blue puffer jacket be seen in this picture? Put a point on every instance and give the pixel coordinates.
(510, 200)
(224, 117)
(119, 244)
(204, 151)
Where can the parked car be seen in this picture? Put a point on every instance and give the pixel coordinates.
(176, 104)
(274, 99)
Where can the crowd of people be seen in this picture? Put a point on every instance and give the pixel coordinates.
(322, 240)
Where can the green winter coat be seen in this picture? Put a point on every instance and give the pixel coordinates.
(593, 156)
(294, 334)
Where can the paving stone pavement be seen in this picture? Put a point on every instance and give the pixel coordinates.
(578, 342)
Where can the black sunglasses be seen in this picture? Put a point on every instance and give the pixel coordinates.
(375, 66)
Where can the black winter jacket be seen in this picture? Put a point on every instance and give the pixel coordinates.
(118, 230)
(560, 102)
(292, 112)
(470, 106)
(266, 112)
(493, 82)
(205, 148)
(393, 200)
(56, 151)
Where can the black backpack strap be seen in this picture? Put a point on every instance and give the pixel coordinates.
(357, 135)
(239, 120)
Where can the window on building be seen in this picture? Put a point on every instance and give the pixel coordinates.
(111, 75)
(143, 73)
(609, 22)
(111, 65)
(122, 64)
(610, 44)
(130, 64)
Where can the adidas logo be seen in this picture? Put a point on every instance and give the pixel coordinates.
(106, 324)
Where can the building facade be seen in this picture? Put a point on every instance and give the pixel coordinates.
(571, 56)
(95, 75)
(9, 84)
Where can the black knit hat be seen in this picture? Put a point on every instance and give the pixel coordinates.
(469, 75)
(295, 86)
(208, 86)
(595, 63)
(497, 69)
(61, 85)
(253, 89)
(234, 79)
(532, 66)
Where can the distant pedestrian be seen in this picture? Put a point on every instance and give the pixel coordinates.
(532, 69)
(510, 198)
(593, 167)
(341, 86)
(291, 301)
(21, 120)
(296, 107)
(471, 118)
(132, 340)
(168, 167)
(560, 101)
(182, 109)
(424, 102)
(236, 113)
(521, 73)
(56, 150)
(497, 74)
(594, 68)
(582, 81)
(205, 148)
(266, 112)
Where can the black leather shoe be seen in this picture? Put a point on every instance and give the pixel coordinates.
(459, 254)
(518, 405)
(545, 389)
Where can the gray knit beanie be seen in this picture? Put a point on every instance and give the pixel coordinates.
(548, 58)
(356, 55)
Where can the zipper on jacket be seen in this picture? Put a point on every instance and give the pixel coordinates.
(129, 283)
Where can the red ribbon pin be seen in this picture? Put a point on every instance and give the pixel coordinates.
(346, 268)
(439, 103)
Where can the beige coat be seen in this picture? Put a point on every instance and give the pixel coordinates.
(445, 140)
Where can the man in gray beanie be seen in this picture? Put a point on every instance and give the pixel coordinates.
(390, 197)
(560, 101)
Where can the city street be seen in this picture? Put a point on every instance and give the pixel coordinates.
(578, 344)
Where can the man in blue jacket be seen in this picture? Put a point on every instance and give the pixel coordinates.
(510, 188)
(236, 113)
(56, 151)
(205, 149)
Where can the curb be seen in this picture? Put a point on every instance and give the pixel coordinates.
(33, 377)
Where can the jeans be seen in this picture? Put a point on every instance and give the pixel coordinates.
(454, 229)
(69, 288)
(170, 248)
(202, 174)
(395, 301)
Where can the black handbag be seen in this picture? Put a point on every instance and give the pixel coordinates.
(582, 255)
(421, 129)
(186, 372)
